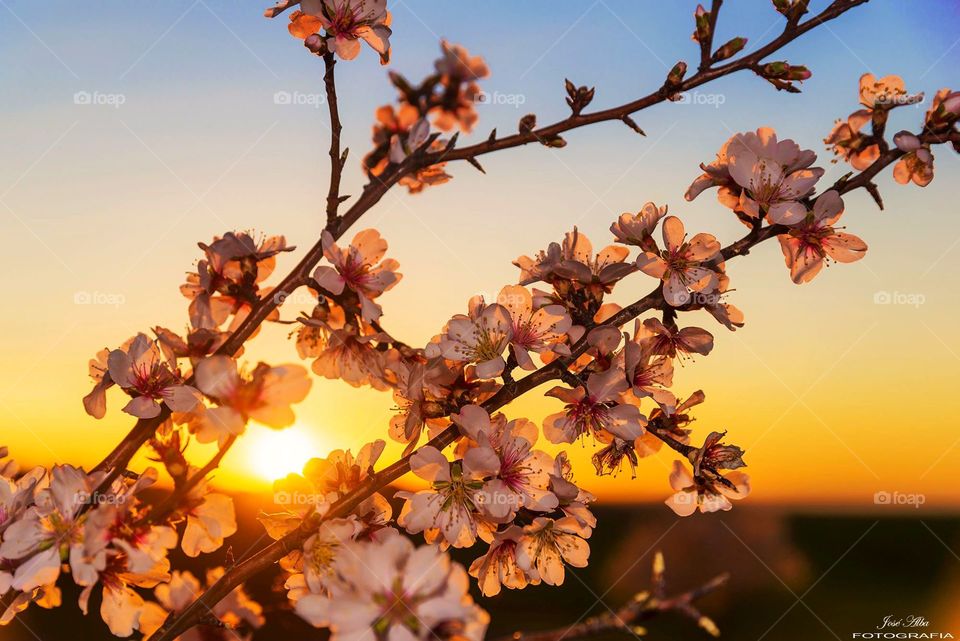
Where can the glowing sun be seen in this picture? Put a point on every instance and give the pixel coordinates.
(276, 453)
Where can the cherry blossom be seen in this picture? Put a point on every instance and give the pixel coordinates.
(47, 529)
(916, 164)
(360, 267)
(210, 519)
(142, 372)
(345, 23)
(774, 175)
(594, 409)
(637, 229)
(885, 93)
(95, 403)
(348, 355)
(648, 374)
(399, 591)
(849, 143)
(498, 567)
(679, 266)
(227, 279)
(717, 174)
(264, 395)
(455, 106)
(402, 146)
(479, 337)
(523, 477)
(547, 544)
(533, 330)
(661, 340)
(448, 512)
(706, 495)
(420, 396)
(807, 245)
(237, 610)
(944, 110)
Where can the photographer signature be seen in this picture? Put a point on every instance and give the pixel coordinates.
(911, 621)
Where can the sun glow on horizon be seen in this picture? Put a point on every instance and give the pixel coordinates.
(273, 454)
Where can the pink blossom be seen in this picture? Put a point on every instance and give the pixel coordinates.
(141, 371)
(594, 409)
(265, 396)
(679, 265)
(775, 175)
(669, 341)
(479, 337)
(916, 164)
(210, 519)
(806, 246)
(448, 512)
(533, 330)
(498, 566)
(389, 586)
(707, 495)
(345, 22)
(523, 475)
(360, 267)
(548, 544)
(649, 374)
(636, 229)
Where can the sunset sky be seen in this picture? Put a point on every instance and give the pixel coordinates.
(833, 395)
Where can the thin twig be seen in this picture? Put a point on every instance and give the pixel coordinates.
(336, 160)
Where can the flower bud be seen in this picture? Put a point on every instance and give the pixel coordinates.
(730, 49)
(675, 77)
(702, 18)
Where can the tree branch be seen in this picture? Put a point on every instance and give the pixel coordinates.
(337, 160)
(549, 132)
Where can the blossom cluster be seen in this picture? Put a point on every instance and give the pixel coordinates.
(444, 101)
(65, 520)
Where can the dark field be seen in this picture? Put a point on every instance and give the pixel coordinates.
(850, 571)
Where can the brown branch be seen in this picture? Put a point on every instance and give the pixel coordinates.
(337, 160)
(550, 132)
(641, 607)
(172, 502)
